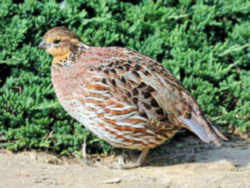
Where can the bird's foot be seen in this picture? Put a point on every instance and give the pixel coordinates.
(121, 164)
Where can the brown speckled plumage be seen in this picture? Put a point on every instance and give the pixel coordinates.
(124, 97)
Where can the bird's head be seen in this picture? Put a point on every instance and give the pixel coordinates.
(60, 43)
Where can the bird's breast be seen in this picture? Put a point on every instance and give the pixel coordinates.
(67, 79)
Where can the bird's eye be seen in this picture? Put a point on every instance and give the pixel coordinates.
(56, 41)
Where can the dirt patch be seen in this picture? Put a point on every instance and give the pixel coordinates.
(182, 163)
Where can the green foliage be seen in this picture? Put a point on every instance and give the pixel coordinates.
(205, 43)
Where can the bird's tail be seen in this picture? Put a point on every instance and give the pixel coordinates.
(203, 129)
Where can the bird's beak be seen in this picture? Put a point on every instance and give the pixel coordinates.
(43, 45)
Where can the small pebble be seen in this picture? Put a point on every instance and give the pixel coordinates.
(113, 181)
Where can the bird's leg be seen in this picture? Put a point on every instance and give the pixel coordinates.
(142, 157)
(84, 152)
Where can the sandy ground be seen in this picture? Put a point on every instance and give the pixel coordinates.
(183, 163)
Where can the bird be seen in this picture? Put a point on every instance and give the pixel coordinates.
(124, 97)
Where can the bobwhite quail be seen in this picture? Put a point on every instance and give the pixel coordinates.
(122, 96)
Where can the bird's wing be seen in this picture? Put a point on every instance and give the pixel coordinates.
(143, 94)
(136, 87)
